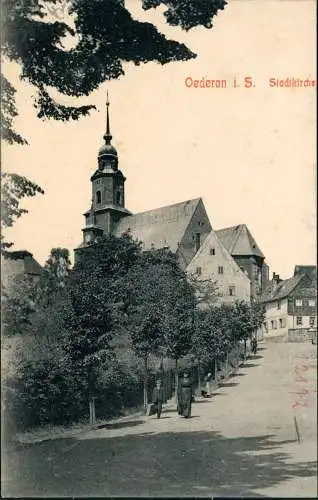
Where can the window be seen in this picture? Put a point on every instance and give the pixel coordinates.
(118, 198)
(299, 320)
(220, 270)
(197, 241)
(282, 322)
(199, 270)
(266, 326)
(272, 325)
(232, 291)
(311, 302)
(212, 251)
(299, 302)
(98, 197)
(275, 324)
(278, 304)
(312, 320)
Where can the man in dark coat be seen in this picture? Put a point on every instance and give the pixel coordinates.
(158, 397)
(185, 395)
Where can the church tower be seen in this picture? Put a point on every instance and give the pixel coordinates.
(108, 192)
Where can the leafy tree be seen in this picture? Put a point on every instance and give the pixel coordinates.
(58, 264)
(145, 338)
(107, 36)
(93, 312)
(160, 314)
(14, 188)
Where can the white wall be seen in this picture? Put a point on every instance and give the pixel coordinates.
(279, 317)
(208, 263)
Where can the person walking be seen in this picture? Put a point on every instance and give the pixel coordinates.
(254, 345)
(158, 397)
(185, 395)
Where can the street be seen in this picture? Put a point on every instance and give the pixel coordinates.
(241, 442)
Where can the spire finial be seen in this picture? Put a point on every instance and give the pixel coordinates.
(108, 136)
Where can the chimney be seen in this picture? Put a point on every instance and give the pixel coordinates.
(275, 281)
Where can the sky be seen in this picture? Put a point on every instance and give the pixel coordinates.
(249, 153)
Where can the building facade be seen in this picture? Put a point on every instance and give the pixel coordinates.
(291, 308)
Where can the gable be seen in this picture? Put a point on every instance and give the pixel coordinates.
(306, 287)
(161, 227)
(197, 230)
(213, 254)
(209, 258)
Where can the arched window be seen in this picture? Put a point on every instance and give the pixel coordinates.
(118, 198)
(98, 197)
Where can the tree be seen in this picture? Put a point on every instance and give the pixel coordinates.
(106, 36)
(160, 314)
(146, 334)
(94, 309)
(14, 188)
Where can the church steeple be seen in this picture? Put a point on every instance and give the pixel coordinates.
(108, 191)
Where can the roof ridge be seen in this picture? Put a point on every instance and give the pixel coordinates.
(197, 200)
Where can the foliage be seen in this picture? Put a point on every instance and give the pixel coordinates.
(13, 189)
(8, 113)
(106, 36)
(56, 272)
(44, 391)
(33, 305)
(95, 297)
(219, 328)
(161, 311)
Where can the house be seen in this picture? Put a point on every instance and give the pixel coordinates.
(291, 308)
(184, 228)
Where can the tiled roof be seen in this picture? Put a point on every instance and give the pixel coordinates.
(309, 270)
(239, 241)
(283, 289)
(161, 227)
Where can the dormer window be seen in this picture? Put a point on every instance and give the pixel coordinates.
(98, 197)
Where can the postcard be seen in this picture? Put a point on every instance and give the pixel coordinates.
(159, 276)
